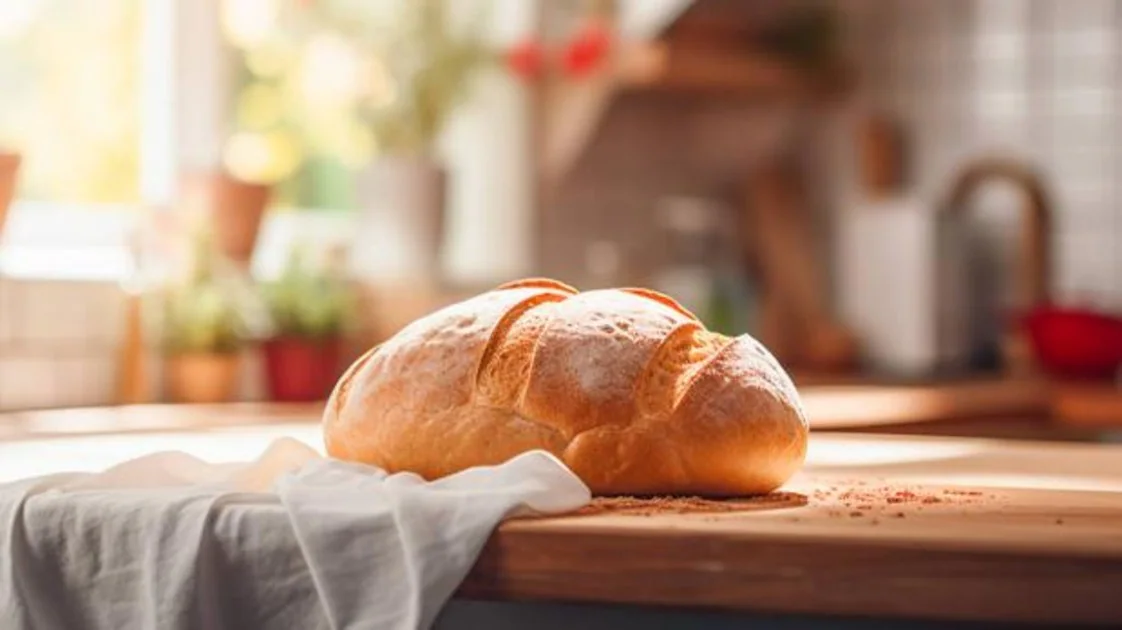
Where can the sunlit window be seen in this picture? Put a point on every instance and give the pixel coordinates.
(295, 124)
(70, 98)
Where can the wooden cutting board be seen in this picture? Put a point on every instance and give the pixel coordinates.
(882, 526)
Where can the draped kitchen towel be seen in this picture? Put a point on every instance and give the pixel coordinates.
(291, 540)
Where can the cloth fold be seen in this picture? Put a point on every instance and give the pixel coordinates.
(288, 540)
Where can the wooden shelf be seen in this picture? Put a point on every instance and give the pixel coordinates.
(659, 66)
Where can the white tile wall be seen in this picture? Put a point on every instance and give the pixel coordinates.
(56, 313)
(58, 343)
(29, 381)
(99, 378)
(59, 339)
(1039, 80)
(7, 323)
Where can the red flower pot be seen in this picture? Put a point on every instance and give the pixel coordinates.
(301, 370)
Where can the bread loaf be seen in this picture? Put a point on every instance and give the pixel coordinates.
(625, 386)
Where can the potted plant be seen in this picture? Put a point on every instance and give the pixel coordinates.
(309, 307)
(233, 207)
(204, 329)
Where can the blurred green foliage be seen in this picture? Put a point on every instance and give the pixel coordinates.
(310, 300)
(337, 83)
(432, 64)
(206, 312)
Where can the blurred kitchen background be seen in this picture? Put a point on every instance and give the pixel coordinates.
(224, 200)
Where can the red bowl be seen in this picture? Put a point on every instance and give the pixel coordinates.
(1076, 343)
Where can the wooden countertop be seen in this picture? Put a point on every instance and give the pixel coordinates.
(887, 526)
(991, 530)
(847, 405)
(1088, 405)
(861, 404)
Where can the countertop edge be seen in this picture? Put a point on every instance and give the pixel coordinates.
(803, 576)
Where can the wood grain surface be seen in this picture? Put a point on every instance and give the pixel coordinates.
(989, 531)
(885, 526)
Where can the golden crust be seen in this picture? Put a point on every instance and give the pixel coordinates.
(538, 283)
(625, 386)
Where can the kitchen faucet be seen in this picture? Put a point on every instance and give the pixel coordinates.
(1032, 269)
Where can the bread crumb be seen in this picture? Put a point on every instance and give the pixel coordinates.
(654, 506)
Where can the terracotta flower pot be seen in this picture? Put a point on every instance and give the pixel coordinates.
(301, 370)
(202, 378)
(235, 209)
(9, 171)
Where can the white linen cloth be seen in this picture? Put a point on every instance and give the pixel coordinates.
(291, 540)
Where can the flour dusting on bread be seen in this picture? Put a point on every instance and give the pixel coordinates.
(626, 386)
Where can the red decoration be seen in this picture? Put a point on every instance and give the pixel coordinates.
(586, 50)
(526, 59)
(581, 55)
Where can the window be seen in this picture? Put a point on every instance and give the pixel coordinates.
(302, 70)
(289, 128)
(109, 101)
(69, 75)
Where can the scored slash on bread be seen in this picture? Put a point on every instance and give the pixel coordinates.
(625, 386)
